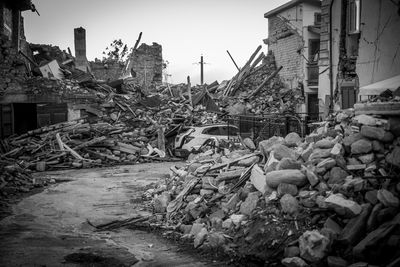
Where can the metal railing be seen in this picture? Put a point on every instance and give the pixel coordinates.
(263, 127)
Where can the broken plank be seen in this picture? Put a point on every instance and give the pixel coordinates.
(90, 142)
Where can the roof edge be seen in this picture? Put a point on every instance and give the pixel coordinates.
(289, 5)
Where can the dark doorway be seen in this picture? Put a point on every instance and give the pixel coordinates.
(349, 96)
(6, 120)
(24, 117)
(312, 107)
(51, 113)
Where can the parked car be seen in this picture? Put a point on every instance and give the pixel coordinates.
(192, 138)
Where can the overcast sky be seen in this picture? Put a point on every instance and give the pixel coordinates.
(185, 29)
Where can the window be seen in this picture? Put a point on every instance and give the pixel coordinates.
(354, 16)
(317, 19)
(212, 131)
(225, 130)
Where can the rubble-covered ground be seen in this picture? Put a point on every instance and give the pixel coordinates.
(329, 199)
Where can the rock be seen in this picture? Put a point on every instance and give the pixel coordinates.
(307, 152)
(387, 198)
(249, 143)
(337, 150)
(237, 219)
(343, 206)
(216, 239)
(196, 228)
(292, 139)
(371, 196)
(281, 151)
(258, 179)
(324, 143)
(319, 153)
(200, 237)
(161, 202)
(336, 262)
(348, 140)
(313, 246)
(394, 125)
(289, 204)
(284, 188)
(367, 158)
(371, 132)
(355, 229)
(314, 137)
(312, 177)
(378, 146)
(361, 146)
(327, 163)
(337, 175)
(295, 177)
(266, 146)
(219, 213)
(388, 137)
(333, 226)
(394, 157)
(288, 164)
(356, 184)
(233, 201)
(250, 203)
(372, 221)
(291, 251)
(294, 262)
(227, 224)
(206, 192)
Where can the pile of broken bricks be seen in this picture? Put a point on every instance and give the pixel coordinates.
(330, 199)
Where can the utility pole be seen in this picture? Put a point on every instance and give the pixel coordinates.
(201, 63)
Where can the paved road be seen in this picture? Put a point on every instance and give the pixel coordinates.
(46, 227)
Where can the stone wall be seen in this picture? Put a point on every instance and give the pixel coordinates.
(285, 43)
(147, 64)
(108, 71)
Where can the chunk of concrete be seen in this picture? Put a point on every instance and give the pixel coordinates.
(237, 219)
(343, 206)
(394, 157)
(324, 143)
(361, 146)
(250, 203)
(313, 246)
(295, 177)
(294, 262)
(288, 164)
(282, 151)
(387, 198)
(258, 179)
(249, 143)
(289, 204)
(355, 229)
(200, 237)
(327, 164)
(337, 175)
(284, 188)
(372, 132)
(292, 139)
(305, 154)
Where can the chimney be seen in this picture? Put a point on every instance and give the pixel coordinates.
(80, 49)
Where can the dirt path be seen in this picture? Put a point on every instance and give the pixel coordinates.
(48, 226)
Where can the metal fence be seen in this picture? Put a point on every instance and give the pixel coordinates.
(263, 127)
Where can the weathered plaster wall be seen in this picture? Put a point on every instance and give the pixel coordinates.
(108, 71)
(324, 79)
(379, 44)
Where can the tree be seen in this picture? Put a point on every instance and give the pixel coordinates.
(116, 51)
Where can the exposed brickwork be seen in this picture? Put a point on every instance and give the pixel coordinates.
(284, 44)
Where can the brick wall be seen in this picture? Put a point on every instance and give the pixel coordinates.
(284, 43)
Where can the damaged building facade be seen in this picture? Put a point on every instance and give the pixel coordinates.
(293, 38)
(144, 65)
(359, 46)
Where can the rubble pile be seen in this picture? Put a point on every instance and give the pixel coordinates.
(15, 180)
(259, 90)
(330, 199)
(12, 66)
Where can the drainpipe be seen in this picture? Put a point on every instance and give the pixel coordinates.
(330, 58)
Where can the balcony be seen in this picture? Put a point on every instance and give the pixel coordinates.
(312, 73)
